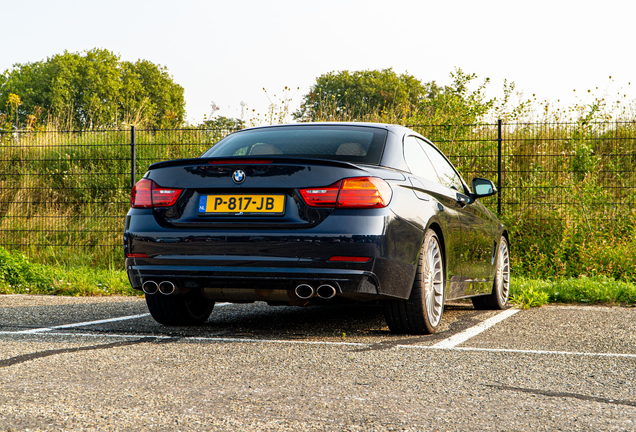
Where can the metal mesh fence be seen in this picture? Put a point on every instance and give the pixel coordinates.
(548, 171)
(67, 191)
(64, 195)
(62, 188)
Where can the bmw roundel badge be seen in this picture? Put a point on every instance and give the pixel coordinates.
(238, 176)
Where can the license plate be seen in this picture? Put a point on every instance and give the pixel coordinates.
(242, 204)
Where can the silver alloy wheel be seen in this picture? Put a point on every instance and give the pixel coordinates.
(434, 282)
(503, 272)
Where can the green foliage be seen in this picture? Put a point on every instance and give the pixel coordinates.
(594, 290)
(223, 123)
(566, 195)
(64, 196)
(73, 189)
(527, 293)
(18, 275)
(455, 104)
(573, 184)
(91, 90)
(359, 93)
(385, 96)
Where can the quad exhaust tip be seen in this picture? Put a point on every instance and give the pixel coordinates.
(326, 291)
(305, 291)
(167, 288)
(150, 287)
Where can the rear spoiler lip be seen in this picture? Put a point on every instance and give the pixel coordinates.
(275, 159)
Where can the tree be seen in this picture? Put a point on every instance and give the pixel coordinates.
(388, 97)
(359, 93)
(455, 103)
(223, 123)
(94, 89)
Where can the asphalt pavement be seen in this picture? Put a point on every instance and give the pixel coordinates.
(78, 363)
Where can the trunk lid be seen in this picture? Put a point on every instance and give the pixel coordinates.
(205, 181)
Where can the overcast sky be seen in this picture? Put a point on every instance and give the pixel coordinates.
(228, 51)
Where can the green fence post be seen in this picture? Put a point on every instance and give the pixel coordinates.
(499, 165)
(133, 157)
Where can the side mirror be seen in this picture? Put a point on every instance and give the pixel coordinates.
(483, 188)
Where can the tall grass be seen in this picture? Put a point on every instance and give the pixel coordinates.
(64, 195)
(568, 197)
(568, 192)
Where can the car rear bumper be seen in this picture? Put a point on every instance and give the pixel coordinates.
(278, 259)
(346, 281)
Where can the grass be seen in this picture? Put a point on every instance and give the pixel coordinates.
(527, 293)
(19, 275)
(568, 191)
(568, 202)
(64, 191)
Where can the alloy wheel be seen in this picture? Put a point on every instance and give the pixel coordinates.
(434, 282)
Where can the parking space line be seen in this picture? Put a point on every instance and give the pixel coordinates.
(462, 337)
(82, 324)
(566, 353)
(328, 343)
(87, 323)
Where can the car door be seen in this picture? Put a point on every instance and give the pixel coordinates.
(476, 228)
(426, 186)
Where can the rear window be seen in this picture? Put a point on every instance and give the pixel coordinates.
(343, 143)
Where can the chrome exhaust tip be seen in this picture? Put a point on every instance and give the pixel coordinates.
(167, 288)
(150, 287)
(326, 291)
(304, 291)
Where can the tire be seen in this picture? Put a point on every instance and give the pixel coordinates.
(498, 298)
(179, 310)
(422, 312)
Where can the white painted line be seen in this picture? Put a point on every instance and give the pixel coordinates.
(462, 337)
(82, 324)
(87, 323)
(567, 353)
(195, 338)
(300, 342)
(281, 341)
(518, 351)
(91, 335)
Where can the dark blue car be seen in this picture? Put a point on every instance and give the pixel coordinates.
(315, 213)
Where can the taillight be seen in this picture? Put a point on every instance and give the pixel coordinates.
(349, 259)
(364, 192)
(137, 255)
(141, 195)
(164, 197)
(147, 194)
(356, 192)
(321, 197)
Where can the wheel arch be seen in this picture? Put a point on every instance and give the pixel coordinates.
(507, 237)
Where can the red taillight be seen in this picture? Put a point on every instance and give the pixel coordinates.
(164, 197)
(356, 192)
(364, 192)
(349, 259)
(321, 197)
(137, 255)
(141, 195)
(147, 194)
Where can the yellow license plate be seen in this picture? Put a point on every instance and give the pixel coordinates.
(242, 204)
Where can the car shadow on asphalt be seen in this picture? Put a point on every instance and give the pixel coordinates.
(347, 322)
